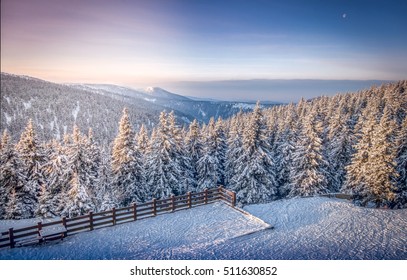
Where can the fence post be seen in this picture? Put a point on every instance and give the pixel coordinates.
(91, 220)
(134, 211)
(154, 207)
(11, 237)
(189, 200)
(114, 215)
(39, 228)
(220, 195)
(64, 224)
(206, 196)
(233, 199)
(173, 202)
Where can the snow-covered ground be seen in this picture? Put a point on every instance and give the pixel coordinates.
(166, 236)
(305, 228)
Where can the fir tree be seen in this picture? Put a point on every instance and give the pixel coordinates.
(79, 203)
(32, 158)
(12, 178)
(235, 148)
(308, 176)
(380, 172)
(401, 161)
(254, 180)
(126, 165)
(164, 175)
(194, 148)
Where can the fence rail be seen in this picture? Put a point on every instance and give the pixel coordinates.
(68, 226)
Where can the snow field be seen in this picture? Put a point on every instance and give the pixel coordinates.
(168, 236)
(304, 228)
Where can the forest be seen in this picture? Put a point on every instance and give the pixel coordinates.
(354, 143)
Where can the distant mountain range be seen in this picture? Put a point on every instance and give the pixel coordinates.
(55, 108)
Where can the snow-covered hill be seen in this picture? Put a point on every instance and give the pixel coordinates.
(304, 228)
(55, 108)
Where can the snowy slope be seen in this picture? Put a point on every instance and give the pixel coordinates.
(305, 228)
(163, 237)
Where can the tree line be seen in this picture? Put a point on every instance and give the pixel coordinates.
(352, 143)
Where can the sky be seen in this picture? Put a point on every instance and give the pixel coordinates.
(174, 43)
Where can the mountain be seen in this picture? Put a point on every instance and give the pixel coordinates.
(55, 108)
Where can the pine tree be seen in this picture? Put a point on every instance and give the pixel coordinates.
(308, 174)
(380, 172)
(15, 208)
(339, 151)
(219, 139)
(284, 149)
(142, 140)
(32, 158)
(45, 209)
(255, 178)
(126, 165)
(401, 161)
(12, 178)
(194, 148)
(79, 203)
(355, 171)
(163, 171)
(57, 177)
(235, 147)
(178, 153)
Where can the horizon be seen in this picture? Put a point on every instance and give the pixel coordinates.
(176, 44)
(282, 91)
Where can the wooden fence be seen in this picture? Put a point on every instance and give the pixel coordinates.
(68, 226)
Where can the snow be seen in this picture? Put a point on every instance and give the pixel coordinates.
(166, 236)
(245, 106)
(304, 228)
(76, 111)
(150, 99)
(8, 118)
(27, 105)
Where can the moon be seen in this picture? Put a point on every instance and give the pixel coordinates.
(344, 15)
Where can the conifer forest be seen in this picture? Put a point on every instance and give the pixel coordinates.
(354, 143)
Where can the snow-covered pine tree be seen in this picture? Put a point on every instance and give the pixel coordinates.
(11, 177)
(308, 174)
(380, 172)
(208, 164)
(142, 140)
(93, 162)
(355, 172)
(162, 172)
(339, 150)
(284, 148)
(255, 178)
(57, 176)
(194, 148)
(235, 147)
(219, 140)
(79, 203)
(105, 197)
(128, 176)
(15, 208)
(401, 161)
(45, 209)
(179, 154)
(31, 155)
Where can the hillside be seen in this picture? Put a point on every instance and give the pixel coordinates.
(304, 228)
(55, 108)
